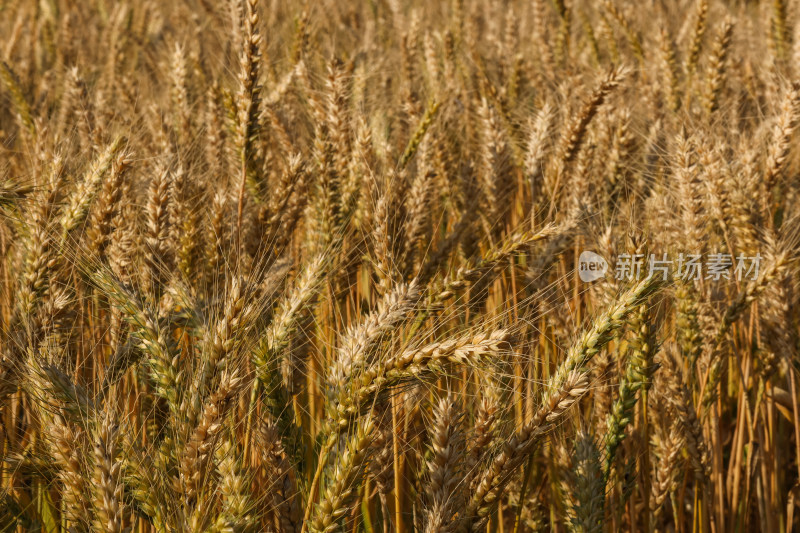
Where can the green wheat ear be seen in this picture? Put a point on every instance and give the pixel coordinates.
(21, 105)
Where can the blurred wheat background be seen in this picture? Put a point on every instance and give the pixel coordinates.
(273, 265)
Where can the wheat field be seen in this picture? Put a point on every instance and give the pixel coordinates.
(394, 266)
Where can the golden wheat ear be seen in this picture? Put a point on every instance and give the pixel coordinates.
(285, 266)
